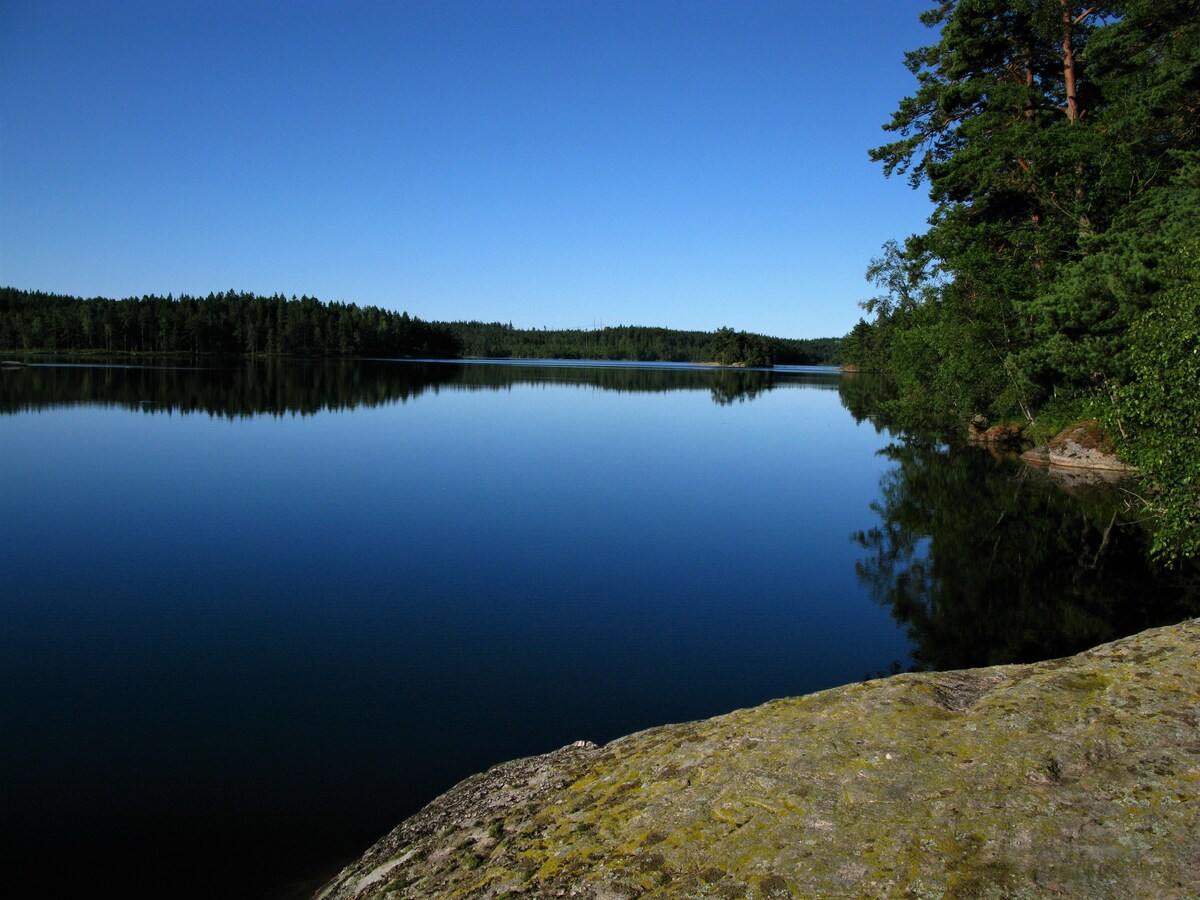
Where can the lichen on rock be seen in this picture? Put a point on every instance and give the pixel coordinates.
(1084, 445)
(1077, 777)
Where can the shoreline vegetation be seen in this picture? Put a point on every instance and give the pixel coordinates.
(241, 324)
(1059, 278)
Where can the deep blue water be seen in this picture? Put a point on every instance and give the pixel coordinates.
(247, 628)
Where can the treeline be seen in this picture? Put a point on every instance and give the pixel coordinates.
(241, 323)
(495, 340)
(1060, 275)
(225, 323)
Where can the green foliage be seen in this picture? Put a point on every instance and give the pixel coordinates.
(226, 323)
(495, 340)
(737, 348)
(1158, 409)
(1061, 144)
(237, 323)
(1082, 320)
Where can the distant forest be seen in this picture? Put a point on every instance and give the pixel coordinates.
(227, 323)
(234, 323)
(498, 341)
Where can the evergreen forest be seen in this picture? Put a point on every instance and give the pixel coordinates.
(725, 346)
(1059, 277)
(234, 323)
(228, 323)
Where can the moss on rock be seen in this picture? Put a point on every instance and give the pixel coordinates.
(1073, 778)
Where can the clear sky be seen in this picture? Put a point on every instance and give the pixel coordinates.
(685, 163)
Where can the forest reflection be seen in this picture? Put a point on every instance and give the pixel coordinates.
(989, 561)
(243, 388)
(984, 561)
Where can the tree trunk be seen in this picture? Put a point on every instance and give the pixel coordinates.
(1070, 72)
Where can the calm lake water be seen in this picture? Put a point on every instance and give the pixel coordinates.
(252, 616)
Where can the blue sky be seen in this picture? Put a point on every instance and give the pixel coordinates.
(545, 162)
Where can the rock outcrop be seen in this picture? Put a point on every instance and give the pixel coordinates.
(1077, 777)
(1002, 434)
(1080, 446)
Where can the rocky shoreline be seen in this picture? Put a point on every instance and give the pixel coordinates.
(1080, 446)
(1077, 777)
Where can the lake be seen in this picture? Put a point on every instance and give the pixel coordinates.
(255, 614)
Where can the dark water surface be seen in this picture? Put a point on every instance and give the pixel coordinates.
(253, 615)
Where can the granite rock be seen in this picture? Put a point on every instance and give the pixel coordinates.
(1077, 777)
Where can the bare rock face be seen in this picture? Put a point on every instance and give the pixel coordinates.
(1080, 458)
(1077, 777)
(1084, 445)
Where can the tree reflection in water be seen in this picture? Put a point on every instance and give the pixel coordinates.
(236, 388)
(990, 562)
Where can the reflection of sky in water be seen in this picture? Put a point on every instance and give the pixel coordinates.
(391, 598)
